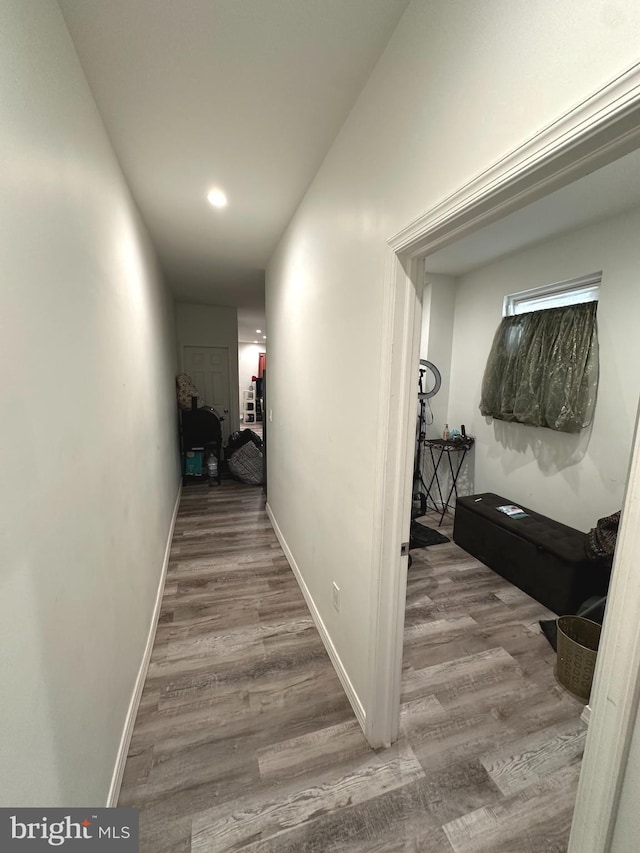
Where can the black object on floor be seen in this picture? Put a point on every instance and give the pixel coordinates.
(422, 536)
(550, 630)
(592, 608)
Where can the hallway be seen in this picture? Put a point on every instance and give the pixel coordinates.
(237, 667)
(245, 740)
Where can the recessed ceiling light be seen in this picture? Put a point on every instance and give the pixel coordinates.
(265, 337)
(217, 198)
(259, 331)
(255, 342)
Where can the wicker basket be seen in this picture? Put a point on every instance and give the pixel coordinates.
(578, 640)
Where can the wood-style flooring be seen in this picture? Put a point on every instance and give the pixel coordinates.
(245, 741)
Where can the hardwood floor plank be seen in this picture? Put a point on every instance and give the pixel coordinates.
(161, 835)
(468, 673)
(398, 821)
(531, 759)
(266, 817)
(537, 820)
(319, 748)
(211, 764)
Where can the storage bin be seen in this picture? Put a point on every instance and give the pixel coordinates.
(193, 466)
(578, 640)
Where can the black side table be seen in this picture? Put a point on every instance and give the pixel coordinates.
(439, 447)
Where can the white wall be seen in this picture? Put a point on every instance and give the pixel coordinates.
(248, 355)
(572, 478)
(438, 305)
(446, 100)
(88, 447)
(212, 326)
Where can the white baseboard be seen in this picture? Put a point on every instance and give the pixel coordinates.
(123, 751)
(341, 672)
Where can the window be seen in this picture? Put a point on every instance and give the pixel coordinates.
(572, 292)
(543, 365)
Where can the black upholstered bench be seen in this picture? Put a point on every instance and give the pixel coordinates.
(544, 558)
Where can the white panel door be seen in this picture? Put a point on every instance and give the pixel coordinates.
(209, 369)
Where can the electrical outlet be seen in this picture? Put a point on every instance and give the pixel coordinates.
(336, 596)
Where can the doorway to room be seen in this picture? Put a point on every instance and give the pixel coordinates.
(252, 362)
(472, 640)
(593, 135)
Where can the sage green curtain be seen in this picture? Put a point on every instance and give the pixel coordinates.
(543, 369)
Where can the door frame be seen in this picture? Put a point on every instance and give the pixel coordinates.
(595, 132)
(397, 410)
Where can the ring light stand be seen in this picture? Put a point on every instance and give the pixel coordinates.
(425, 392)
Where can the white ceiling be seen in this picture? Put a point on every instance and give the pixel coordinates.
(597, 196)
(247, 95)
